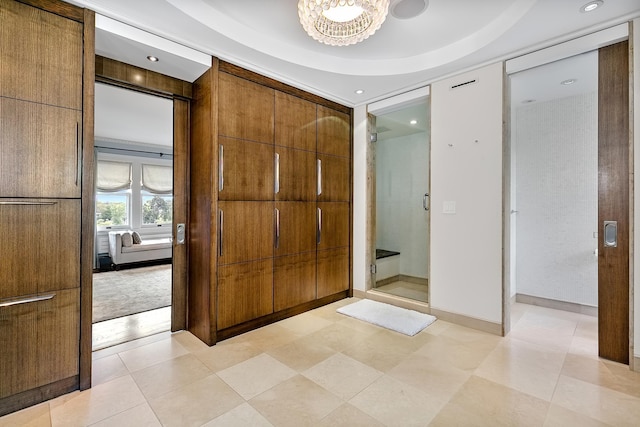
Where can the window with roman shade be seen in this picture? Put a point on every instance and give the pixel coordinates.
(113, 176)
(157, 179)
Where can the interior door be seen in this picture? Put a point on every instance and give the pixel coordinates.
(613, 202)
(180, 212)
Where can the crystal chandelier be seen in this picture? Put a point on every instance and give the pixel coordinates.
(342, 22)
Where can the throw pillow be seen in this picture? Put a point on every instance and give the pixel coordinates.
(127, 240)
(136, 238)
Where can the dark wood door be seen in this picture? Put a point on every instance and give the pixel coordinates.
(613, 202)
(180, 213)
(246, 109)
(333, 271)
(247, 170)
(295, 227)
(334, 178)
(40, 246)
(294, 280)
(295, 122)
(41, 150)
(245, 292)
(334, 132)
(41, 56)
(246, 231)
(333, 225)
(296, 174)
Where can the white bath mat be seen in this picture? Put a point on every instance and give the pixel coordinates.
(408, 322)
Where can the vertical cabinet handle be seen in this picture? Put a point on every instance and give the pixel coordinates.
(78, 163)
(276, 166)
(221, 249)
(221, 168)
(319, 167)
(319, 231)
(277, 240)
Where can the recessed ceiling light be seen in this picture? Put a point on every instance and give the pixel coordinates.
(591, 6)
(153, 58)
(568, 82)
(407, 9)
(413, 122)
(359, 91)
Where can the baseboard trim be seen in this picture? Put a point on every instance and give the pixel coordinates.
(468, 322)
(636, 364)
(403, 278)
(557, 305)
(357, 293)
(37, 395)
(407, 303)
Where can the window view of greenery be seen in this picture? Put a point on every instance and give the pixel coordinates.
(111, 209)
(157, 209)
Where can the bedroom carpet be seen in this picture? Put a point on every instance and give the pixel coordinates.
(130, 291)
(408, 322)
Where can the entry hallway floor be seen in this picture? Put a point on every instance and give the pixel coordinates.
(322, 368)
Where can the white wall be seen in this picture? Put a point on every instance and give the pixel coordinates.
(556, 146)
(360, 269)
(466, 246)
(402, 179)
(636, 191)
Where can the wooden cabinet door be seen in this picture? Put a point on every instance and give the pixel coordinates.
(295, 227)
(247, 170)
(246, 231)
(334, 132)
(41, 56)
(40, 246)
(41, 150)
(333, 271)
(296, 175)
(333, 224)
(294, 280)
(246, 109)
(245, 292)
(335, 178)
(295, 122)
(39, 342)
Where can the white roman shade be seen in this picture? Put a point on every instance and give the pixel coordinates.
(157, 179)
(113, 176)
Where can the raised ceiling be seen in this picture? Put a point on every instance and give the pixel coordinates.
(448, 37)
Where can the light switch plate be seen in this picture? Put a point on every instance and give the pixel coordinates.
(449, 207)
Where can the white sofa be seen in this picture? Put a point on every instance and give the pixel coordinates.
(146, 250)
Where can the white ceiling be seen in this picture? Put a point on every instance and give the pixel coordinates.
(448, 37)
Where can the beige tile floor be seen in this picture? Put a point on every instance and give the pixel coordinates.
(321, 368)
(403, 289)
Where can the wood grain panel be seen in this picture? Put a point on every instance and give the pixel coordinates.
(297, 228)
(335, 224)
(88, 203)
(298, 176)
(295, 122)
(248, 170)
(248, 231)
(180, 213)
(202, 218)
(41, 149)
(268, 82)
(294, 280)
(60, 8)
(31, 263)
(336, 178)
(613, 201)
(245, 292)
(246, 109)
(39, 342)
(41, 56)
(112, 71)
(333, 271)
(334, 132)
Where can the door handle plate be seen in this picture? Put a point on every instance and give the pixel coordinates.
(610, 234)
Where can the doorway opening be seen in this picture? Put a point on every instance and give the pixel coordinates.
(401, 207)
(132, 282)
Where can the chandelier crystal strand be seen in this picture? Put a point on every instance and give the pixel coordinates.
(337, 32)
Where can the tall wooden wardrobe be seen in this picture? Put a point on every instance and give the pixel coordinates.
(42, 209)
(270, 198)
